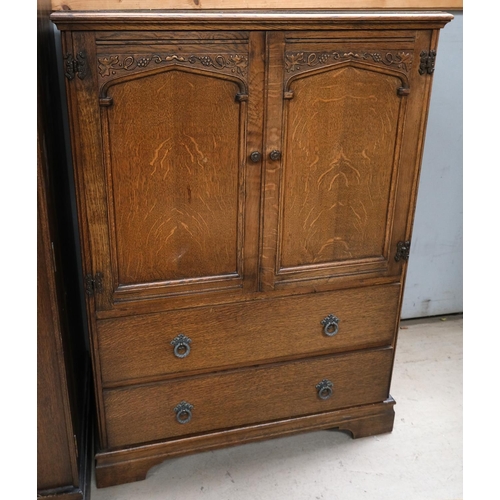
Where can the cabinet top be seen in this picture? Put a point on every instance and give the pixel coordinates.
(265, 19)
(257, 4)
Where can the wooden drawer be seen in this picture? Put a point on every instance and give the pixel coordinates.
(249, 395)
(233, 335)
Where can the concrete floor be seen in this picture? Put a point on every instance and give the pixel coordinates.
(420, 460)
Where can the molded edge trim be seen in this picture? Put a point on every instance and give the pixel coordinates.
(132, 464)
(275, 19)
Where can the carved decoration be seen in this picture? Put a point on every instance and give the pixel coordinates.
(296, 61)
(113, 64)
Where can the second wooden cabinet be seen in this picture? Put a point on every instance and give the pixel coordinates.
(246, 187)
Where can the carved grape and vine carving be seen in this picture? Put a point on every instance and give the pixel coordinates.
(297, 61)
(113, 64)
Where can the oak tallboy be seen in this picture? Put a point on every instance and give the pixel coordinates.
(246, 185)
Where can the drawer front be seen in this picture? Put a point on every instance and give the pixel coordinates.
(233, 335)
(250, 395)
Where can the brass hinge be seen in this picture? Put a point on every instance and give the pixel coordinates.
(402, 251)
(75, 65)
(93, 284)
(427, 60)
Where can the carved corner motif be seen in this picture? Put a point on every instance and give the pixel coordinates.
(299, 61)
(113, 64)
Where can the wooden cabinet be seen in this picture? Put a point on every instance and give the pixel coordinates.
(64, 425)
(246, 184)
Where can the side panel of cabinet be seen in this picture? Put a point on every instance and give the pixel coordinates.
(339, 110)
(169, 197)
(57, 461)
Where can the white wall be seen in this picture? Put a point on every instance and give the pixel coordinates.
(434, 283)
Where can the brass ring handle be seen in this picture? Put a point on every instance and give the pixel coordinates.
(325, 389)
(181, 346)
(275, 155)
(255, 156)
(331, 325)
(183, 412)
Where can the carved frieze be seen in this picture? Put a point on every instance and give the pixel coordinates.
(110, 65)
(300, 61)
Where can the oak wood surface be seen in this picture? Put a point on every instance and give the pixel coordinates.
(244, 257)
(341, 127)
(63, 424)
(184, 224)
(247, 20)
(139, 349)
(133, 463)
(54, 424)
(209, 241)
(340, 134)
(139, 238)
(256, 4)
(230, 399)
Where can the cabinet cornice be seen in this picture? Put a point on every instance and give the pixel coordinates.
(247, 19)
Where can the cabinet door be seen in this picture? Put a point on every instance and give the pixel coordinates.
(166, 192)
(345, 115)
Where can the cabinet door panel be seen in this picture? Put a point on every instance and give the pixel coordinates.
(175, 177)
(169, 207)
(341, 130)
(330, 202)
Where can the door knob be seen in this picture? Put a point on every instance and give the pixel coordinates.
(255, 156)
(275, 155)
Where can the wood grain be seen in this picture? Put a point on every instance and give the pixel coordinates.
(339, 155)
(185, 165)
(246, 20)
(56, 453)
(162, 131)
(138, 349)
(133, 463)
(256, 4)
(63, 459)
(330, 202)
(146, 413)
